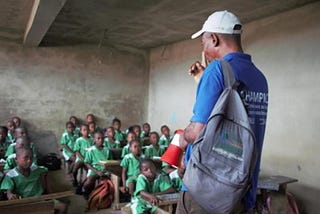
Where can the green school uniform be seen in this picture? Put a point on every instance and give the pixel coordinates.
(24, 186)
(165, 141)
(131, 163)
(69, 140)
(12, 163)
(119, 136)
(161, 183)
(10, 138)
(125, 151)
(151, 152)
(115, 145)
(76, 133)
(3, 149)
(94, 155)
(82, 145)
(176, 181)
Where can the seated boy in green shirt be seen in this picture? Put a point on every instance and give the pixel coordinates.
(125, 150)
(94, 155)
(130, 167)
(67, 142)
(165, 138)
(149, 185)
(154, 150)
(27, 180)
(109, 139)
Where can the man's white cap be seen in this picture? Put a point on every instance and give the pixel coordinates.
(220, 22)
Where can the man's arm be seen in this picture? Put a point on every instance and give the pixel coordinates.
(190, 133)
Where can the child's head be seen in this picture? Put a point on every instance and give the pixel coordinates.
(131, 136)
(84, 130)
(17, 121)
(135, 147)
(24, 157)
(148, 169)
(10, 126)
(92, 127)
(98, 138)
(3, 133)
(20, 132)
(90, 118)
(74, 120)
(110, 132)
(116, 123)
(70, 127)
(165, 130)
(136, 129)
(22, 142)
(154, 138)
(146, 128)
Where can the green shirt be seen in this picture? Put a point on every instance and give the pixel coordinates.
(165, 141)
(161, 183)
(125, 151)
(69, 140)
(151, 152)
(10, 138)
(95, 155)
(11, 149)
(131, 163)
(82, 145)
(119, 136)
(24, 186)
(115, 145)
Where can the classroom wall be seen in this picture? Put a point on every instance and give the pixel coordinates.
(286, 47)
(45, 86)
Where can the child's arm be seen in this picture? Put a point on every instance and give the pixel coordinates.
(169, 190)
(11, 195)
(66, 147)
(149, 197)
(99, 173)
(79, 155)
(124, 178)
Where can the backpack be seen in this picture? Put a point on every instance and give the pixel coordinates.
(102, 195)
(224, 154)
(52, 161)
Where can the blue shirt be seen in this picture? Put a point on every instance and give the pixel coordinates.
(255, 92)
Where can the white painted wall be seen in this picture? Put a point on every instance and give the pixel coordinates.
(286, 47)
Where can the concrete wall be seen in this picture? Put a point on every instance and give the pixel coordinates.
(286, 48)
(45, 86)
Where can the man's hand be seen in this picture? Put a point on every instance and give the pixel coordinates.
(196, 70)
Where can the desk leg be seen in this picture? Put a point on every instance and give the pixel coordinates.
(116, 182)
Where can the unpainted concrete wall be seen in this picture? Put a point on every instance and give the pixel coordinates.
(45, 86)
(286, 47)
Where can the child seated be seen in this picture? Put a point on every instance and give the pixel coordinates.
(11, 127)
(149, 185)
(91, 118)
(130, 167)
(27, 180)
(67, 142)
(94, 155)
(130, 137)
(109, 140)
(118, 134)
(154, 150)
(92, 129)
(17, 121)
(145, 134)
(11, 159)
(81, 146)
(3, 142)
(165, 138)
(75, 121)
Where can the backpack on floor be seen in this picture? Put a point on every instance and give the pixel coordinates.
(102, 195)
(224, 154)
(52, 161)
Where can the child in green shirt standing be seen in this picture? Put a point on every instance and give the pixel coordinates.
(94, 155)
(149, 185)
(81, 146)
(130, 167)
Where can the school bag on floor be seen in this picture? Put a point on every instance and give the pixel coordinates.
(224, 154)
(102, 195)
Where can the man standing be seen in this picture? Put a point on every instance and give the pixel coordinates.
(221, 39)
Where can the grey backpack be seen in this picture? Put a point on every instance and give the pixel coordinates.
(224, 154)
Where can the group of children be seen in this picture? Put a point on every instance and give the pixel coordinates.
(85, 146)
(20, 175)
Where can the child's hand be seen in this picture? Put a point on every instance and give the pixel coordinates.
(100, 174)
(124, 189)
(12, 196)
(153, 200)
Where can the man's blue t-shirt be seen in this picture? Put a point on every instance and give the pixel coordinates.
(255, 93)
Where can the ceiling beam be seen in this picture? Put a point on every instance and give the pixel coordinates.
(42, 15)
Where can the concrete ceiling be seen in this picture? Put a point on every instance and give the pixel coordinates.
(139, 24)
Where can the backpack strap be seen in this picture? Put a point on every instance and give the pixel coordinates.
(228, 75)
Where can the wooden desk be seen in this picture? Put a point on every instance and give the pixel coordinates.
(113, 166)
(276, 187)
(169, 200)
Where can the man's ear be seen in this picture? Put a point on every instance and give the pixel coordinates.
(215, 39)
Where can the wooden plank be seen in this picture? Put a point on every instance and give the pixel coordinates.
(275, 182)
(43, 207)
(36, 199)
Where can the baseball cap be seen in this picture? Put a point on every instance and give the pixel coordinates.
(220, 22)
